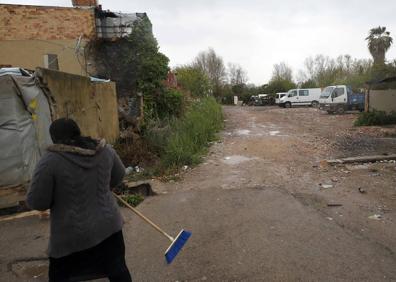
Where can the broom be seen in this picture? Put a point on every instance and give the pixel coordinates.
(176, 243)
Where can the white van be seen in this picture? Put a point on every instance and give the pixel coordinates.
(279, 96)
(303, 97)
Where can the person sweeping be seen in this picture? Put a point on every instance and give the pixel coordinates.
(73, 179)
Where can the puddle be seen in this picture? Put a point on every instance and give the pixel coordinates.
(257, 131)
(274, 132)
(243, 132)
(357, 167)
(236, 159)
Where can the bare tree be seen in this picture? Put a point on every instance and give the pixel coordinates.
(310, 66)
(301, 76)
(212, 65)
(237, 75)
(323, 70)
(282, 72)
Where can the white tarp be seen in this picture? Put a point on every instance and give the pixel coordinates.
(24, 128)
(14, 71)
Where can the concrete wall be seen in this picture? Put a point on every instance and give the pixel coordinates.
(27, 33)
(382, 100)
(92, 105)
(29, 54)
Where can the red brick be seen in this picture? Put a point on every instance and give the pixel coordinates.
(91, 3)
(45, 23)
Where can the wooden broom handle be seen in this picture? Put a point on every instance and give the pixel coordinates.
(156, 227)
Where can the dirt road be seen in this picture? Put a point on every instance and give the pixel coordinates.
(258, 207)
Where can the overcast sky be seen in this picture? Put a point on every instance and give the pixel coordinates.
(258, 34)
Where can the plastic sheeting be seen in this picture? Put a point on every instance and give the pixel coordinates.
(118, 25)
(14, 71)
(24, 128)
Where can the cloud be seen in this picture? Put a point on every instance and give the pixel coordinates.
(258, 34)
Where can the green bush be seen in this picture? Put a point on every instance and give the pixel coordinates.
(375, 118)
(170, 103)
(193, 80)
(166, 103)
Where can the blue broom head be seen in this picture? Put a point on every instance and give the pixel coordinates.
(177, 245)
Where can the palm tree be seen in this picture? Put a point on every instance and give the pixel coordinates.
(379, 41)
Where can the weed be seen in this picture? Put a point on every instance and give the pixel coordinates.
(177, 141)
(375, 118)
(137, 176)
(191, 134)
(133, 199)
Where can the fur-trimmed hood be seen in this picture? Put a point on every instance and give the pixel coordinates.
(85, 158)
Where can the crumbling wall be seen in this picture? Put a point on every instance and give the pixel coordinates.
(382, 100)
(92, 105)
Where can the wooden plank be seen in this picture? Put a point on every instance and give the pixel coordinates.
(362, 159)
(11, 196)
(23, 215)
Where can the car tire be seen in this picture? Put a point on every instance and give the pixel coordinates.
(340, 110)
(287, 105)
(315, 104)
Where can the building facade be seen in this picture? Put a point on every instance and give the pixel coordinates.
(52, 37)
(57, 37)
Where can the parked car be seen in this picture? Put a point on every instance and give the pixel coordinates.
(261, 100)
(266, 99)
(254, 101)
(303, 97)
(341, 98)
(278, 96)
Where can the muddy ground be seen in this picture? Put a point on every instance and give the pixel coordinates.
(262, 206)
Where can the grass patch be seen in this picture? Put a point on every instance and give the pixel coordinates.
(192, 133)
(133, 199)
(182, 141)
(375, 118)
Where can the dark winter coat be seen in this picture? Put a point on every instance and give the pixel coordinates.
(74, 183)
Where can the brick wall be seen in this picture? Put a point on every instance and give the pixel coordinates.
(21, 22)
(84, 3)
